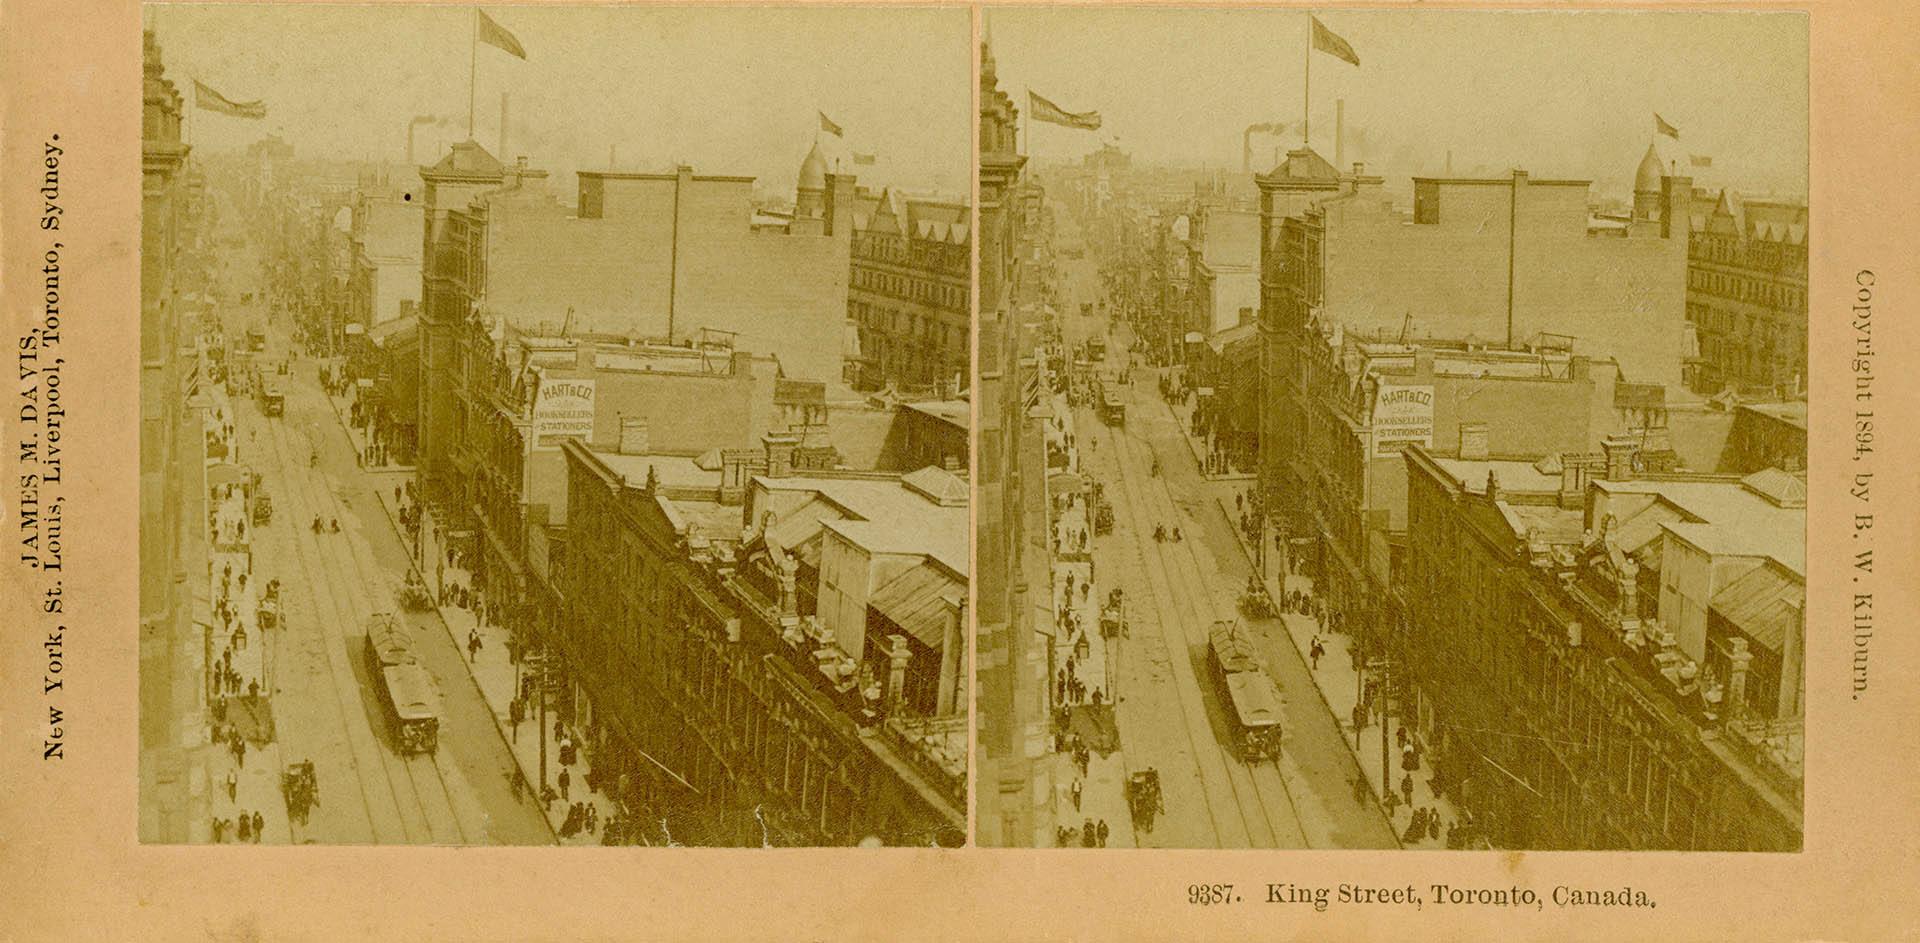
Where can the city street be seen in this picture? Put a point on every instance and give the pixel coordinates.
(1171, 713)
(326, 706)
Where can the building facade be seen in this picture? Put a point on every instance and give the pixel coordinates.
(1011, 681)
(907, 294)
(1747, 297)
(742, 675)
(1602, 659)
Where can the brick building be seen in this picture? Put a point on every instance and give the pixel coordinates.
(1747, 296)
(1598, 658)
(655, 257)
(1493, 312)
(771, 650)
(907, 291)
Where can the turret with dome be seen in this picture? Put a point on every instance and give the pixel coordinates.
(1646, 183)
(810, 194)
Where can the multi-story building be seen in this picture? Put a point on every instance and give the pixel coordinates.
(1747, 296)
(172, 547)
(383, 280)
(665, 258)
(767, 652)
(907, 290)
(1531, 308)
(1603, 659)
(1011, 682)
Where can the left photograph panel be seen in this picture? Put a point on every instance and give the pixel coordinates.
(555, 426)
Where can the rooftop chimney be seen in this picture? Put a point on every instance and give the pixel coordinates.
(635, 436)
(779, 446)
(1619, 451)
(1473, 441)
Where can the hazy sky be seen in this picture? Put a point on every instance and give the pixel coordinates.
(729, 90)
(1557, 94)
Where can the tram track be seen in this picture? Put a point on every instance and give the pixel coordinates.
(1216, 766)
(1187, 552)
(422, 801)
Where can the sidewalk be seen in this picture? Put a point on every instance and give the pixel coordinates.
(498, 679)
(1077, 641)
(1338, 678)
(1183, 417)
(241, 647)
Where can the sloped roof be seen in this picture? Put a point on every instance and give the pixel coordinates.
(1783, 489)
(1763, 604)
(1302, 165)
(938, 485)
(467, 159)
(916, 601)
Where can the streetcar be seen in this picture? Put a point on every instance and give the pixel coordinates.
(1113, 410)
(406, 689)
(1253, 700)
(273, 400)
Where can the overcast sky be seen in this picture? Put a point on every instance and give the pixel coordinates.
(729, 90)
(1557, 94)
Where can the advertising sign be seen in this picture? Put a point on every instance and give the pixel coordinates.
(562, 408)
(1402, 415)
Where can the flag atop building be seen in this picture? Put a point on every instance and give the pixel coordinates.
(1660, 126)
(1043, 110)
(1330, 43)
(495, 35)
(213, 101)
(827, 125)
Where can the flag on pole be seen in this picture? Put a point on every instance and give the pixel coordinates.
(1043, 110)
(1326, 41)
(865, 159)
(495, 35)
(827, 125)
(1660, 126)
(215, 102)
(1700, 160)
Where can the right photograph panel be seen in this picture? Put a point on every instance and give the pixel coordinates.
(1392, 429)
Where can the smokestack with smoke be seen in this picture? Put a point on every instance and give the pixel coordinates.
(420, 121)
(1246, 140)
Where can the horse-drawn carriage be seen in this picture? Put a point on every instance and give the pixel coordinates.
(1144, 798)
(262, 507)
(301, 788)
(413, 594)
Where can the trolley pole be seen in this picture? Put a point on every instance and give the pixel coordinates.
(542, 732)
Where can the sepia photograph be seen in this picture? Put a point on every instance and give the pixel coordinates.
(555, 425)
(1393, 429)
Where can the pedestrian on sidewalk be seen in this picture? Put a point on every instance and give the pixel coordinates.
(1406, 788)
(1100, 833)
(233, 786)
(246, 826)
(259, 826)
(473, 645)
(565, 780)
(1315, 651)
(1074, 792)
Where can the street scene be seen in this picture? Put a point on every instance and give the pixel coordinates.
(1355, 476)
(535, 453)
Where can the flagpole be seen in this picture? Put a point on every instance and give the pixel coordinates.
(1306, 90)
(473, 68)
